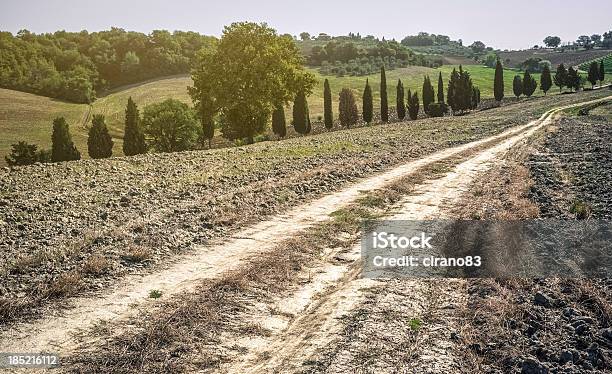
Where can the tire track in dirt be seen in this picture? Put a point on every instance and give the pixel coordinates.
(54, 332)
(322, 323)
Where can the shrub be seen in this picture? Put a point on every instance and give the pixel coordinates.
(171, 126)
(62, 147)
(99, 141)
(438, 109)
(23, 153)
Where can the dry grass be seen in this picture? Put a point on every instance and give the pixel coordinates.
(137, 254)
(66, 284)
(96, 265)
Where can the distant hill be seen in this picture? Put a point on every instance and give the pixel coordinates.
(514, 59)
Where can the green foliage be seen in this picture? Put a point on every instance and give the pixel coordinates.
(384, 105)
(437, 109)
(155, 294)
(517, 86)
(460, 91)
(560, 78)
(62, 147)
(75, 65)
(23, 153)
(413, 105)
(327, 105)
(252, 71)
(279, 126)
(415, 324)
(400, 105)
(428, 94)
(170, 126)
(133, 136)
(440, 89)
(301, 116)
(602, 71)
(545, 80)
(339, 52)
(529, 84)
(593, 75)
(349, 115)
(368, 104)
(475, 97)
(99, 142)
(573, 79)
(498, 83)
(552, 41)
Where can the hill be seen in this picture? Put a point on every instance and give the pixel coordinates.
(514, 59)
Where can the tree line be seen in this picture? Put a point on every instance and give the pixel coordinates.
(75, 66)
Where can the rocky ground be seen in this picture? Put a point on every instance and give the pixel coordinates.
(545, 325)
(74, 227)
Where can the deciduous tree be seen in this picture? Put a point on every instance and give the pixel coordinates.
(170, 126)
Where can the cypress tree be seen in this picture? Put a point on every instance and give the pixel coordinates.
(602, 72)
(428, 94)
(62, 147)
(399, 104)
(545, 79)
(99, 142)
(498, 84)
(560, 78)
(279, 125)
(413, 106)
(573, 79)
(347, 108)
(327, 106)
(368, 105)
(384, 105)
(301, 118)
(593, 75)
(529, 84)
(133, 136)
(475, 97)
(463, 91)
(450, 97)
(517, 86)
(440, 88)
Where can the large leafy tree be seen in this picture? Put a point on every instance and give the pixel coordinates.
(328, 114)
(133, 136)
(384, 104)
(250, 72)
(349, 115)
(62, 147)
(99, 141)
(498, 83)
(368, 105)
(552, 41)
(170, 126)
(545, 79)
(400, 105)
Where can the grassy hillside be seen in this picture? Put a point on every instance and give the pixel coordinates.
(569, 58)
(607, 64)
(29, 117)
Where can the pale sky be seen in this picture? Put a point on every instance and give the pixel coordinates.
(502, 24)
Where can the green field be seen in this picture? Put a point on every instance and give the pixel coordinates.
(29, 117)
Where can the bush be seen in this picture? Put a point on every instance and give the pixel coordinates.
(171, 126)
(62, 147)
(437, 109)
(26, 154)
